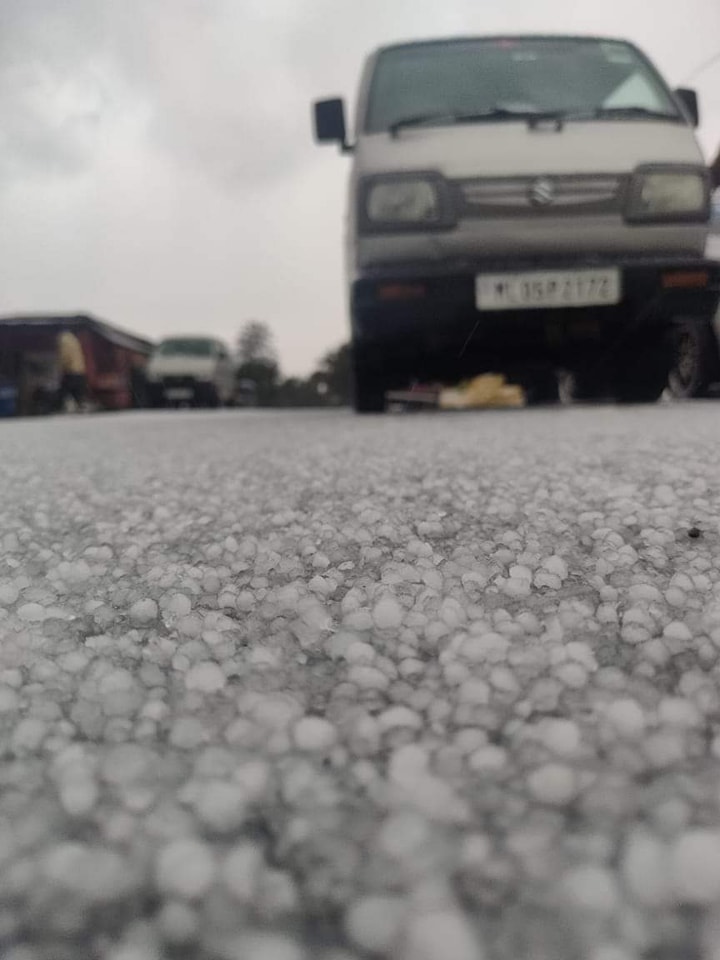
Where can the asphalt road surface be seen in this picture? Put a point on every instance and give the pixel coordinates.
(302, 686)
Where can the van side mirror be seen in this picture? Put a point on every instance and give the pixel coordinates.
(330, 124)
(689, 101)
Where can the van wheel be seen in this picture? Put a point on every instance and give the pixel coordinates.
(641, 375)
(370, 383)
(541, 388)
(369, 395)
(583, 385)
(155, 397)
(696, 363)
(210, 398)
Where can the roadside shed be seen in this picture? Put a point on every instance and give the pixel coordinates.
(29, 376)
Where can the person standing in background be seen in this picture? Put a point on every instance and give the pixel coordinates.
(73, 370)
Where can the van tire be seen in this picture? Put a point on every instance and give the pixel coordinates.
(207, 397)
(541, 388)
(583, 385)
(641, 375)
(156, 398)
(369, 382)
(696, 361)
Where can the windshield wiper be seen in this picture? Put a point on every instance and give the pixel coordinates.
(533, 117)
(420, 120)
(630, 112)
(482, 116)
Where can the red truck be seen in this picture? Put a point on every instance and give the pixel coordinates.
(115, 362)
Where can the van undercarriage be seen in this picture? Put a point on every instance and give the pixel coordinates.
(412, 323)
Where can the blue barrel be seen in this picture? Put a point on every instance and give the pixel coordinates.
(8, 399)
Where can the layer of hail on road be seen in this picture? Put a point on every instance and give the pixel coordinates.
(304, 686)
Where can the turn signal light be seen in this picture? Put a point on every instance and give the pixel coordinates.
(401, 291)
(687, 279)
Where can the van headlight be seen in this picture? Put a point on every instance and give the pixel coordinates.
(672, 193)
(409, 202)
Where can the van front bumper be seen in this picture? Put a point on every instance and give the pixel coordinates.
(177, 389)
(430, 309)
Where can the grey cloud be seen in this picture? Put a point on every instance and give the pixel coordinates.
(223, 99)
(208, 75)
(224, 85)
(58, 87)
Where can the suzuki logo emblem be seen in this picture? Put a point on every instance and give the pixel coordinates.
(542, 193)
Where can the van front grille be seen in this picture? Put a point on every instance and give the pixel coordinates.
(542, 195)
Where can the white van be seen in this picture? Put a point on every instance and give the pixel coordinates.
(523, 205)
(191, 371)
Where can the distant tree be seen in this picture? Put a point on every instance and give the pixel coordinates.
(255, 342)
(265, 374)
(328, 385)
(334, 372)
(257, 361)
(296, 392)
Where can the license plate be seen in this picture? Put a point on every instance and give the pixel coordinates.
(179, 393)
(537, 290)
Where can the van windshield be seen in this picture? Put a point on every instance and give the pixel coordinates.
(446, 80)
(187, 347)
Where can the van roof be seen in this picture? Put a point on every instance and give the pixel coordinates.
(503, 36)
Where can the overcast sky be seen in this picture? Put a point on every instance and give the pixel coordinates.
(156, 160)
